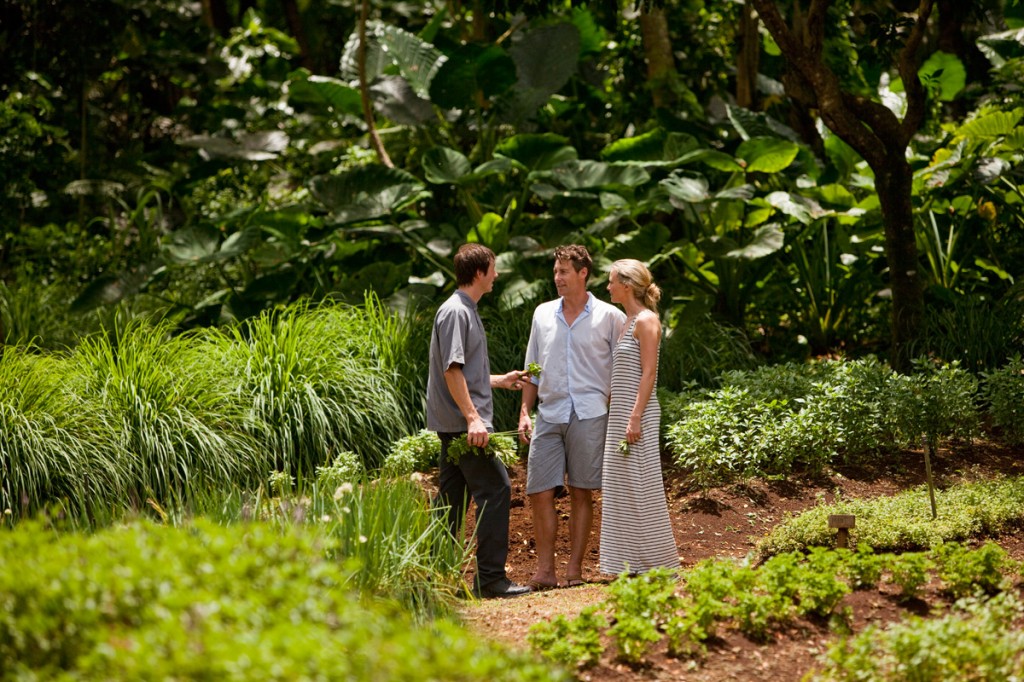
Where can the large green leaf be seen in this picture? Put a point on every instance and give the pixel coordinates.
(194, 244)
(750, 124)
(442, 165)
(261, 146)
(766, 240)
(395, 98)
(945, 71)
(366, 192)
(646, 147)
(767, 154)
(537, 152)
(417, 60)
(324, 90)
(469, 70)
(991, 125)
(491, 231)
(684, 189)
(589, 174)
(545, 59)
(642, 244)
(803, 209)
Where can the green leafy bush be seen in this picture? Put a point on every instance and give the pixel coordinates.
(419, 452)
(575, 644)
(965, 571)
(910, 571)
(977, 640)
(903, 521)
(261, 603)
(773, 419)
(1004, 392)
(347, 467)
(639, 607)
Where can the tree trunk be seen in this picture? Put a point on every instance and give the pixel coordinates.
(295, 27)
(661, 65)
(894, 187)
(215, 15)
(748, 59)
(876, 134)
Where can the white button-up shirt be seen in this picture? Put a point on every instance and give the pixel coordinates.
(576, 361)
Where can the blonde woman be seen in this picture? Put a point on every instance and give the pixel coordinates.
(636, 533)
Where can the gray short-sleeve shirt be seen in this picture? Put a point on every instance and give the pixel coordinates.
(458, 338)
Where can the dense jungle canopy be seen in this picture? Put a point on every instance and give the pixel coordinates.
(802, 178)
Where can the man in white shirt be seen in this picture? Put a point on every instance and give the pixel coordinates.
(571, 338)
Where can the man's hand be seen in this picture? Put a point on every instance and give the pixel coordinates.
(476, 434)
(525, 428)
(513, 381)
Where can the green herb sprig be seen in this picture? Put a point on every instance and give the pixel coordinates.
(624, 447)
(501, 445)
(534, 370)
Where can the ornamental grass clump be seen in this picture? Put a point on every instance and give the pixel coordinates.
(308, 397)
(395, 544)
(51, 447)
(173, 424)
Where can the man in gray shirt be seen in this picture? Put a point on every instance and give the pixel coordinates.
(572, 338)
(459, 401)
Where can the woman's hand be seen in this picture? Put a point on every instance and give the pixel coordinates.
(634, 430)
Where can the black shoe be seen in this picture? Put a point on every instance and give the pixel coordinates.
(501, 589)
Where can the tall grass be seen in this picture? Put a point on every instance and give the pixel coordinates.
(51, 447)
(174, 426)
(395, 543)
(309, 395)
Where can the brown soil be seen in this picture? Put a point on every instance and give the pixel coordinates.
(727, 522)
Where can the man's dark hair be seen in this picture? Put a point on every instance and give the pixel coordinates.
(469, 260)
(577, 255)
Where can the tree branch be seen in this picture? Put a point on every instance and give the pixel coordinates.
(908, 64)
(364, 90)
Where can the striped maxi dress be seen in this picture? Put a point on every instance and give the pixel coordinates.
(636, 533)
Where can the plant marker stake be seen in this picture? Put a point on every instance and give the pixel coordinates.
(844, 522)
(928, 447)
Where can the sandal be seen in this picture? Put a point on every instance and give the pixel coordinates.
(575, 582)
(538, 586)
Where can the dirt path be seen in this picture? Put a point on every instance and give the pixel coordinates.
(725, 523)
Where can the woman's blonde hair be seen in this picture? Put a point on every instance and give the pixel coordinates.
(637, 277)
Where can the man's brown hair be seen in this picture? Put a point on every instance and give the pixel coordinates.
(577, 255)
(469, 260)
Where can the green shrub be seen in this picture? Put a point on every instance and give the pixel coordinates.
(1004, 393)
(640, 606)
(51, 446)
(903, 521)
(774, 419)
(910, 572)
(698, 349)
(309, 395)
(575, 644)
(965, 571)
(347, 467)
(976, 641)
(249, 602)
(419, 452)
(863, 567)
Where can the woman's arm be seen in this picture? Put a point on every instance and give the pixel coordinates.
(648, 334)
